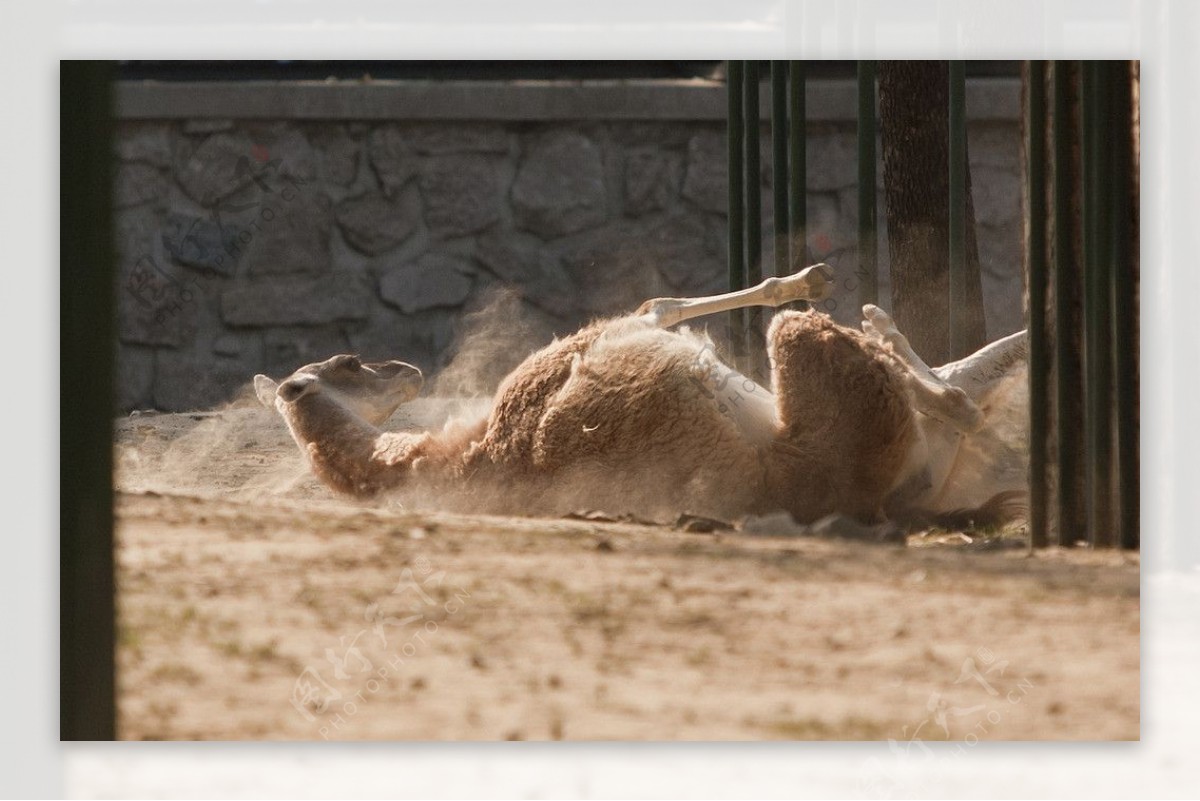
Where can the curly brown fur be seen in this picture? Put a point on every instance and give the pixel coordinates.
(847, 423)
(615, 417)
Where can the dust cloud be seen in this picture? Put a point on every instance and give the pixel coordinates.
(491, 342)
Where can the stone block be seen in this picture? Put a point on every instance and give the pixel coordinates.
(996, 193)
(222, 165)
(638, 133)
(1002, 303)
(522, 263)
(1000, 251)
(649, 181)
(207, 125)
(392, 157)
(461, 193)
(706, 182)
(435, 280)
(135, 184)
(157, 303)
(201, 242)
(994, 145)
(374, 224)
(135, 378)
(145, 143)
(624, 263)
(559, 187)
(287, 349)
(295, 300)
(337, 154)
(288, 234)
(295, 154)
(188, 380)
(831, 160)
(683, 248)
(438, 139)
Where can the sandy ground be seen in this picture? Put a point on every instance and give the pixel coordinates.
(254, 604)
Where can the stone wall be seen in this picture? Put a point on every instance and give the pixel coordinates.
(260, 244)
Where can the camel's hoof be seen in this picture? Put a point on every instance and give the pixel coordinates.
(819, 278)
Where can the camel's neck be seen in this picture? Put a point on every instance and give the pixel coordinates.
(345, 451)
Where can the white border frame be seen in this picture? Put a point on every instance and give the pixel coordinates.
(1163, 34)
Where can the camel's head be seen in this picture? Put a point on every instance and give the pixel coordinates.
(372, 390)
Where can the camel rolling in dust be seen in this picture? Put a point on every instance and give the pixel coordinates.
(628, 416)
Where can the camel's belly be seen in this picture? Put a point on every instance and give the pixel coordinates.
(750, 406)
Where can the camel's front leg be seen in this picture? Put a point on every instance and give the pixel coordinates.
(879, 325)
(933, 395)
(986, 368)
(814, 284)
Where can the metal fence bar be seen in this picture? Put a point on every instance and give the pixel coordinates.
(798, 169)
(1124, 280)
(779, 164)
(1066, 374)
(1039, 394)
(755, 343)
(958, 209)
(868, 246)
(87, 658)
(1087, 148)
(737, 211)
(1099, 287)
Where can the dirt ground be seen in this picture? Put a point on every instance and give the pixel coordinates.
(254, 604)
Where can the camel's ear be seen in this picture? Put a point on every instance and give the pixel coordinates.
(296, 388)
(265, 388)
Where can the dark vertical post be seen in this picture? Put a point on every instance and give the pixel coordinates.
(1088, 197)
(798, 167)
(779, 164)
(755, 343)
(958, 210)
(737, 211)
(868, 246)
(1124, 280)
(87, 669)
(1067, 372)
(1099, 287)
(1039, 395)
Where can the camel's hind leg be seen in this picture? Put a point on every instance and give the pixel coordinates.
(814, 283)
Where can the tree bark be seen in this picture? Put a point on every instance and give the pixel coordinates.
(914, 101)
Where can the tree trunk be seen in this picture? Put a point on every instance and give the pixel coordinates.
(914, 102)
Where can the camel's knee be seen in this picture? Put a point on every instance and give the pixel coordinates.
(815, 361)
